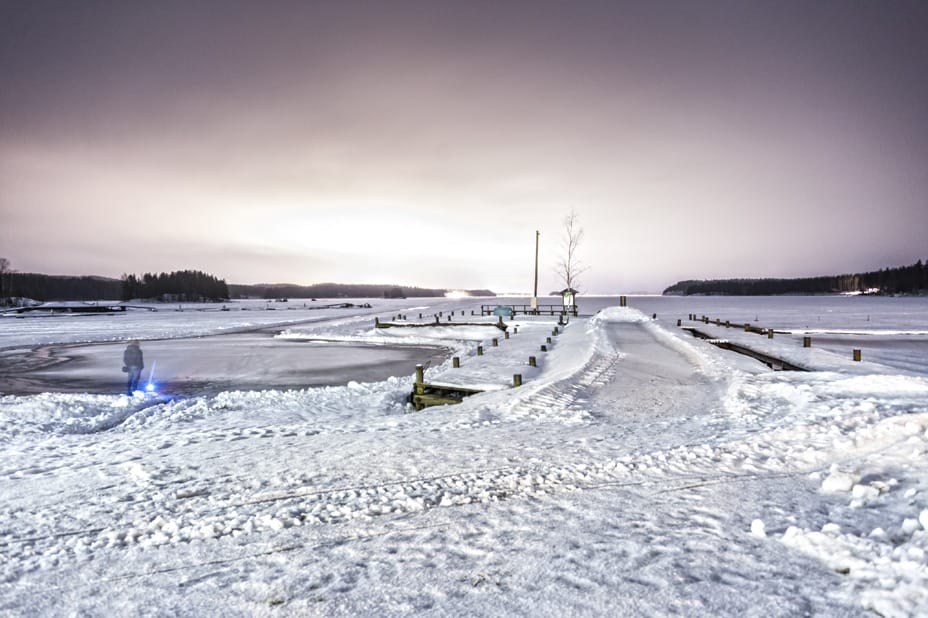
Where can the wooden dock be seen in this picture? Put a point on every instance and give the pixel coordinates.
(777, 364)
(427, 395)
(498, 324)
(529, 310)
(72, 308)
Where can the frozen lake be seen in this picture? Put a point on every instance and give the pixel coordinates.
(633, 457)
(83, 353)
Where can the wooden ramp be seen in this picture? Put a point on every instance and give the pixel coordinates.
(427, 395)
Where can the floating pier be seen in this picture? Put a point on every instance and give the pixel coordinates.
(777, 364)
(500, 325)
(73, 308)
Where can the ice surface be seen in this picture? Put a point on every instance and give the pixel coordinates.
(637, 471)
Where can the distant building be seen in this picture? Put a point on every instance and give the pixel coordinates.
(570, 297)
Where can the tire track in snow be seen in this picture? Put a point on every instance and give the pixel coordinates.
(650, 475)
(208, 517)
(565, 399)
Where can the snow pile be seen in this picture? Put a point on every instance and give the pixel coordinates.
(885, 551)
(56, 413)
(864, 440)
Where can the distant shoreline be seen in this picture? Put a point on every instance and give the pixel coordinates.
(903, 280)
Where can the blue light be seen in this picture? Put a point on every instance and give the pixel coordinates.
(150, 387)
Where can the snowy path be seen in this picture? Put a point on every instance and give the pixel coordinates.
(652, 388)
(635, 485)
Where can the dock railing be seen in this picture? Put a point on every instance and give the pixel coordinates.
(529, 310)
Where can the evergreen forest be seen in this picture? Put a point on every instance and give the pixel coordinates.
(886, 281)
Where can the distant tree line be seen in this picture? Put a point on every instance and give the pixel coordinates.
(177, 286)
(901, 280)
(186, 286)
(338, 290)
(5, 273)
(182, 285)
(45, 288)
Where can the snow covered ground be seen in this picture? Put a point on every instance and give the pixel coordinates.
(637, 471)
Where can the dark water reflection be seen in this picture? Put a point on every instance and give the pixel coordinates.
(207, 365)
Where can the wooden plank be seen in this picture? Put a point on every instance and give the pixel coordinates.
(427, 395)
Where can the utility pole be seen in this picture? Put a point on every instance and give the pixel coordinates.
(535, 295)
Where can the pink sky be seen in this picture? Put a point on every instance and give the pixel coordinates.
(423, 143)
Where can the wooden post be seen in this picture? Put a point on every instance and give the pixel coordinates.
(420, 379)
(516, 379)
(807, 342)
(547, 339)
(544, 348)
(622, 301)
(500, 320)
(437, 320)
(556, 331)
(532, 362)
(534, 300)
(654, 316)
(479, 350)
(455, 362)
(495, 342)
(857, 355)
(376, 321)
(420, 316)
(747, 327)
(727, 323)
(515, 330)
(769, 333)
(506, 335)
(679, 322)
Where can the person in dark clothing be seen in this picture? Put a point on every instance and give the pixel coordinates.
(132, 365)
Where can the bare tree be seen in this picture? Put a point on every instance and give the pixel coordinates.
(569, 267)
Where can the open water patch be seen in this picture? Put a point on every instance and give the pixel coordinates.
(209, 365)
